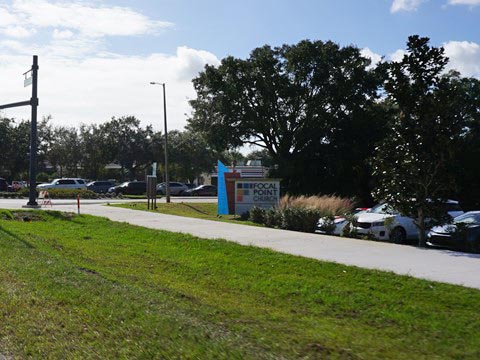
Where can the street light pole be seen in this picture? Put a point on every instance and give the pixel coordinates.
(32, 198)
(167, 180)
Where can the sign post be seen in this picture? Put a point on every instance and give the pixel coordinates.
(151, 192)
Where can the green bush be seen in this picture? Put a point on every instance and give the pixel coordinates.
(65, 193)
(42, 177)
(257, 215)
(328, 224)
(273, 218)
(298, 219)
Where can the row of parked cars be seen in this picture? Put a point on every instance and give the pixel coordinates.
(384, 223)
(14, 186)
(129, 187)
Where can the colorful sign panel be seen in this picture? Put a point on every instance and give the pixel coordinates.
(262, 193)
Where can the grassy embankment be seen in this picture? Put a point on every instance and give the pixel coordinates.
(86, 287)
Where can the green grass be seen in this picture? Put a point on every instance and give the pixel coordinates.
(206, 211)
(85, 287)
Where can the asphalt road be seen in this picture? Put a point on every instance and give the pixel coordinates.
(431, 264)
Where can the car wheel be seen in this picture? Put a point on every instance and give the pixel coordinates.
(398, 236)
(195, 194)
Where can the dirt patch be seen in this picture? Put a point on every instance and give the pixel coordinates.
(27, 216)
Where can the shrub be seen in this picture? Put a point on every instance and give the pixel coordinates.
(298, 219)
(42, 177)
(325, 204)
(257, 215)
(327, 224)
(349, 230)
(273, 218)
(64, 193)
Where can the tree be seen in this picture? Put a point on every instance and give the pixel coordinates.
(189, 155)
(296, 101)
(127, 143)
(262, 155)
(93, 154)
(466, 164)
(412, 164)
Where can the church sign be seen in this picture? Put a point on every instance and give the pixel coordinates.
(262, 193)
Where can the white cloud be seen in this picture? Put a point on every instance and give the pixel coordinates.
(405, 5)
(374, 57)
(464, 2)
(80, 80)
(17, 31)
(62, 34)
(464, 56)
(397, 55)
(75, 15)
(93, 90)
(191, 62)
(7, 18)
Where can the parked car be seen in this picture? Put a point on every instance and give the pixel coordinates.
(339, 223)
(176, 188)
(202, 190)
(3, 184)
(462, 234)
(100, 187)
(384, 223)
(130, 188)
(18, 184)
(64, 183)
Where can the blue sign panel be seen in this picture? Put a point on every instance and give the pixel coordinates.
(222, 189)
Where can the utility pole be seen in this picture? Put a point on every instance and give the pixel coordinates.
(167, 179)
(31, 78)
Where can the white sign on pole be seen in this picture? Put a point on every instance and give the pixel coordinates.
(154, 169)
(27, 82)
(262, 193)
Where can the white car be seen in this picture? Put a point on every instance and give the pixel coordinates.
(383, 223)
(339, 223)
(66, 183)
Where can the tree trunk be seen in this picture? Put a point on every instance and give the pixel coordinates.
(422, 240)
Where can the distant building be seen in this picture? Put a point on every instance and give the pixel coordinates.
(253, 169)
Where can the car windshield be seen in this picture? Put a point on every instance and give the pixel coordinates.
(468, 219)
(124, 184)
(383, 209)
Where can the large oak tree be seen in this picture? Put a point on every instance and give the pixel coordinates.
(310, 105)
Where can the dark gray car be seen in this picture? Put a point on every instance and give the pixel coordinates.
(100, 187)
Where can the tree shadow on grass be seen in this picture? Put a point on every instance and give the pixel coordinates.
(16, 237)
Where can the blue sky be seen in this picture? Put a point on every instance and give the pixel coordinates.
(98, 57)
(235, 27)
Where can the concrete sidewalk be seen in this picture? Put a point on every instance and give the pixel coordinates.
(438, 265)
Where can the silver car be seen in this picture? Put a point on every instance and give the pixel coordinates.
(176, 188)
(64, 183)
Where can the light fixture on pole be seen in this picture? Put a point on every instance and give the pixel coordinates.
(167, 181)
